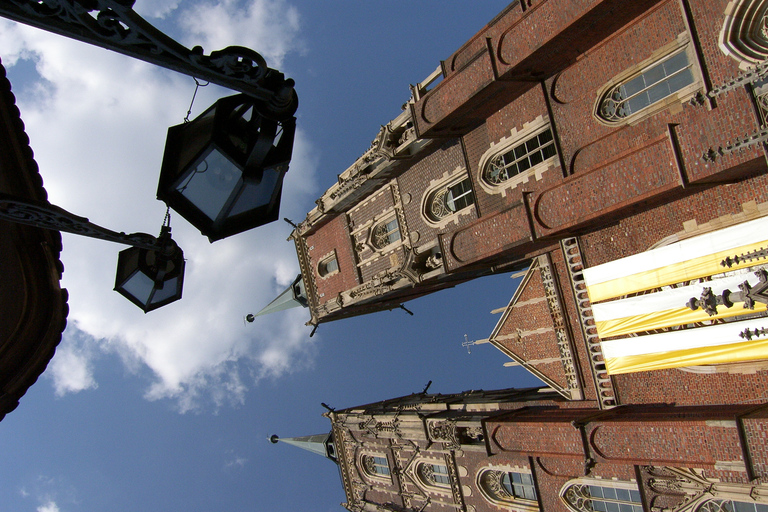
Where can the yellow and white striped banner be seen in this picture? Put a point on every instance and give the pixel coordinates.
(683, 261)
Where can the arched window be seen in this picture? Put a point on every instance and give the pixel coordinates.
(450, 199)
(731, 506)
(375, 465)
(386, 233)
(508, 486)
(434, 474)
(646, 88)
(328, 265)
(521, 157)
(594, 496)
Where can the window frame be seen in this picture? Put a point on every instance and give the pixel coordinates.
(372, 470)
(467, 195)
(682, 45)
(322, 265)
(490, 482)
(515, 139)
(613, 485)
(384, 224)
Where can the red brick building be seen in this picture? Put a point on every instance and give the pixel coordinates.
(530, 450)
(613, 123)
(615, 150)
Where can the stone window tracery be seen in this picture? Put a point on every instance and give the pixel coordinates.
(596, 496)
(520, 158)
(641, 90)
(434, 474)
(504, 487)
(375, 465)
(450, 199)
(386, 233)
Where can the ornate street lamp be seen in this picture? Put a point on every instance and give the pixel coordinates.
(150, 274)
(151, 278)
(223, 171)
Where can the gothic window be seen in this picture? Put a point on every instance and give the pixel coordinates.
(731, 506)
(434, 474)
(508, 487)
(328, 265)
(646, 88)
(386, 233)
(520, 158)
(450, 199)
(375, 465)
(744, 35)
(519, 485)
(592, 496)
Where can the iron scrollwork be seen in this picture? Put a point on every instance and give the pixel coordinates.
(114, 25)
(48, 216)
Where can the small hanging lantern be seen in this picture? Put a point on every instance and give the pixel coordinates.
(151, 278)
(223, 171)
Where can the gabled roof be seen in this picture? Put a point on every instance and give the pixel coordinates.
(33, 304)
(532, 332)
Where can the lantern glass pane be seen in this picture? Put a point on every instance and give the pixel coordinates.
(256, 195)
(140, 286)
(167, 291)
(210, 184)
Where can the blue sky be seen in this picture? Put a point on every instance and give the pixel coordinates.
(171, 410)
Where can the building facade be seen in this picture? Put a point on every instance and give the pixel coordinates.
(613, 152)
(531, 450)
(606, 125)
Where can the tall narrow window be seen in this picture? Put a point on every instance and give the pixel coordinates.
(505, 487)
(375, 465)
(519, 158)
(450, 199)
(519, 485)
(650, 86)
(327, 266)
(386, 233)
(585, 497)
(435, 474)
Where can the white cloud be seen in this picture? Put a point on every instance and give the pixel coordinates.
(97, 123)
(72, 367)
(48, 507)
(155, 8)
(271, 27)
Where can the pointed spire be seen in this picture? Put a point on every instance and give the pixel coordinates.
(293, 296)
(321, 444)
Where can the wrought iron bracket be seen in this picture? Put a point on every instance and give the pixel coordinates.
(47, 216)
(114, 25)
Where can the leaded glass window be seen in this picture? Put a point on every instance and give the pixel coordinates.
(386, 233)
(598, 498)
(520, 158)
(375, 465)
(644, 89)
(519, 485)
(732, 506)
(435, 474)
(451, 199)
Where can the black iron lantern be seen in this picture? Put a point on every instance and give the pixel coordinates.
(223, 171)
(151, 278)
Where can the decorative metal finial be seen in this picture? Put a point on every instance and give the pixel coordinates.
(748, 335)
(748, 294)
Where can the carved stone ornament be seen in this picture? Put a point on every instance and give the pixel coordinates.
(443, 432)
